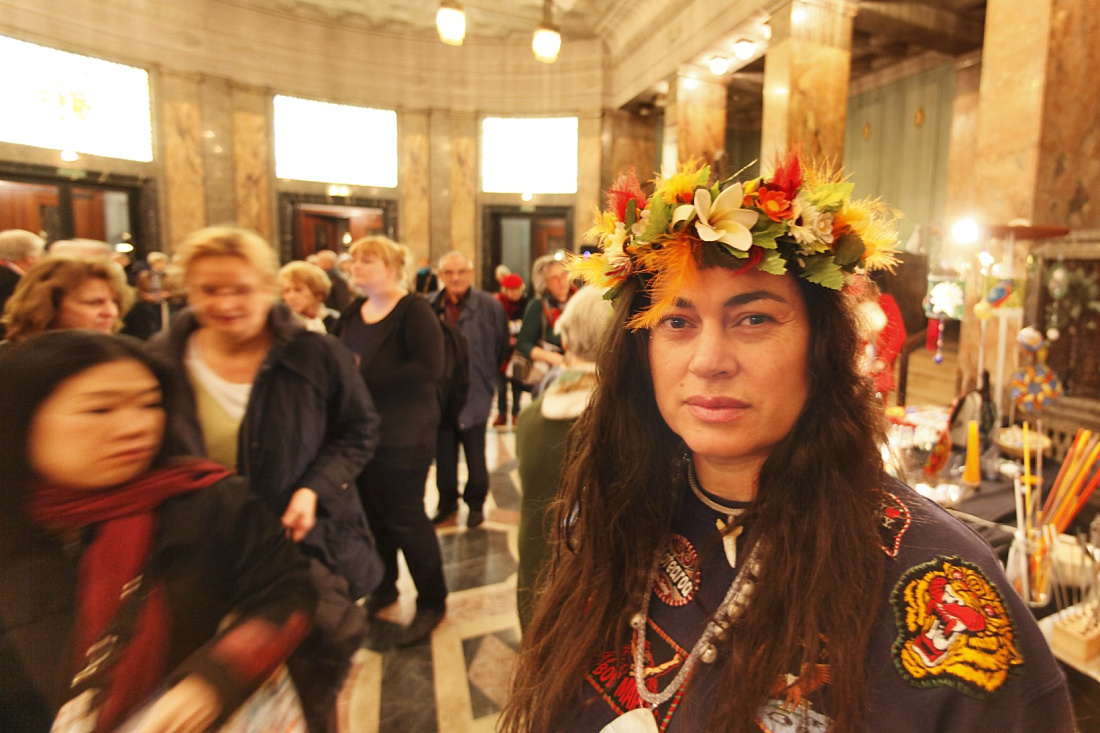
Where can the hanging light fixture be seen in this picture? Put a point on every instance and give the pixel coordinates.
(547, 40)
(450, 21)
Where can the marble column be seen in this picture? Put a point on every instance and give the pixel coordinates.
(695, 122)
(630, 141)
(1038, 135)
(806, 79)
(415, 179)
(180, 132)
(253, 166)
(463, 186)
(589, 173)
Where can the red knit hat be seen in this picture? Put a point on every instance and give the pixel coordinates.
(511, 281)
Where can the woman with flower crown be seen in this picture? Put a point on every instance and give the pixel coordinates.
(730, 554)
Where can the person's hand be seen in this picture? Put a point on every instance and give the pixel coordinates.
(191, 706)
(300, 514)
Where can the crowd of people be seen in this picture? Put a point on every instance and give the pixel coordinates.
(708, 539)
(306, 398)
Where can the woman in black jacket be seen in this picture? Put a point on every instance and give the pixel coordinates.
(400, 347)
(106, 535)
(285, 408)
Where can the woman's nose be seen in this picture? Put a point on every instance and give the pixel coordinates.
(713, 355)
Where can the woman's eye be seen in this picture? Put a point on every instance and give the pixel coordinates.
(756, 319)
(674, 322)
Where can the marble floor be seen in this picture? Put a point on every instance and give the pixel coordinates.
(457, 681)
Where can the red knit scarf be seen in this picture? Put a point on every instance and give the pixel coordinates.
(127, 525)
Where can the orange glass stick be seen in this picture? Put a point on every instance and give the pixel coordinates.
(1074, 448)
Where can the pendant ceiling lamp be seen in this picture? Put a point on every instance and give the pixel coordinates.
(450, 21)
(547, 40)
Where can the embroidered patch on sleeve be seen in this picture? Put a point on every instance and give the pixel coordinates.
(894, 519)
(954, 628)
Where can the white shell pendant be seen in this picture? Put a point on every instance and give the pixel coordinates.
(638, 720)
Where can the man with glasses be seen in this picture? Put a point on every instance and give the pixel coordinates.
(481, 319)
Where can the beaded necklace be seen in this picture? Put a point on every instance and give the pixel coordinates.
(731, 609)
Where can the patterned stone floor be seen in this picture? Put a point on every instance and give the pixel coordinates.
(455, 682)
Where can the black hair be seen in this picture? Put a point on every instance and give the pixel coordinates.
(32, 370)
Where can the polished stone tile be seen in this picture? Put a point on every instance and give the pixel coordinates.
(457, 681)
(408, 691)
(503, 486)
(476, 558)
(490, 661)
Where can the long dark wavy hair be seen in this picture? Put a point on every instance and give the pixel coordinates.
(32, 370)
(815, 514)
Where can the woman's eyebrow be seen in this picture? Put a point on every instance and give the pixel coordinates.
(122, 392)
(753, 295)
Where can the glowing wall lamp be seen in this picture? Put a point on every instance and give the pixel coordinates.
(450, 21)
(547, 40)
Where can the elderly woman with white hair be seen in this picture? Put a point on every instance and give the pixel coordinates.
(542, 429)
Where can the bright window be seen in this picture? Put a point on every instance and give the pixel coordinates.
(335, 143)
(529, 155)
(64, 101)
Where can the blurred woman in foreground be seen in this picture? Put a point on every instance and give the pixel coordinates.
(285, 408)
(119, 561)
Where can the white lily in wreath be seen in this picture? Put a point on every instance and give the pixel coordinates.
(721, 220)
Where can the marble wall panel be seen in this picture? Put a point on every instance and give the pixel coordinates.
(1010, 106)
(464, 187)
(252, 172)
(439, 132)
(701, 119)
(962, 182)
(180, 131)
(218, 150)
(414, 179)
(633, 144)
(819, 100)
(589, 172)
(1067, 190)
(806, 76)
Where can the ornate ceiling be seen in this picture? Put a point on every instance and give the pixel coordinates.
(487, 19)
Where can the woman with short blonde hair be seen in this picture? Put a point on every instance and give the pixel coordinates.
(61, 292)
(392, 254)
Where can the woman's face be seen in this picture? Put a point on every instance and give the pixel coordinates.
(557, 282)
(99, 428)
(369, 271)
(729, 364)
(90, 306)
(229, 296)
(300, 298)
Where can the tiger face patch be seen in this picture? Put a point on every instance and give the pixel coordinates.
(953, 628)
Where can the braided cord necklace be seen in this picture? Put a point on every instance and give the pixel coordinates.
(731, 609)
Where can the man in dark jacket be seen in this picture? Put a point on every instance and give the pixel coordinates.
(482, 321)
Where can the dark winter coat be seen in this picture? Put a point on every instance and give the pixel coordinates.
(310, 422)
(483, 323)
(217, 550)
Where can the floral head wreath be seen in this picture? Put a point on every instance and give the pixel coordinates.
(801, 220)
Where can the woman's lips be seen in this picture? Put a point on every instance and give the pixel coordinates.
(715, 409)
